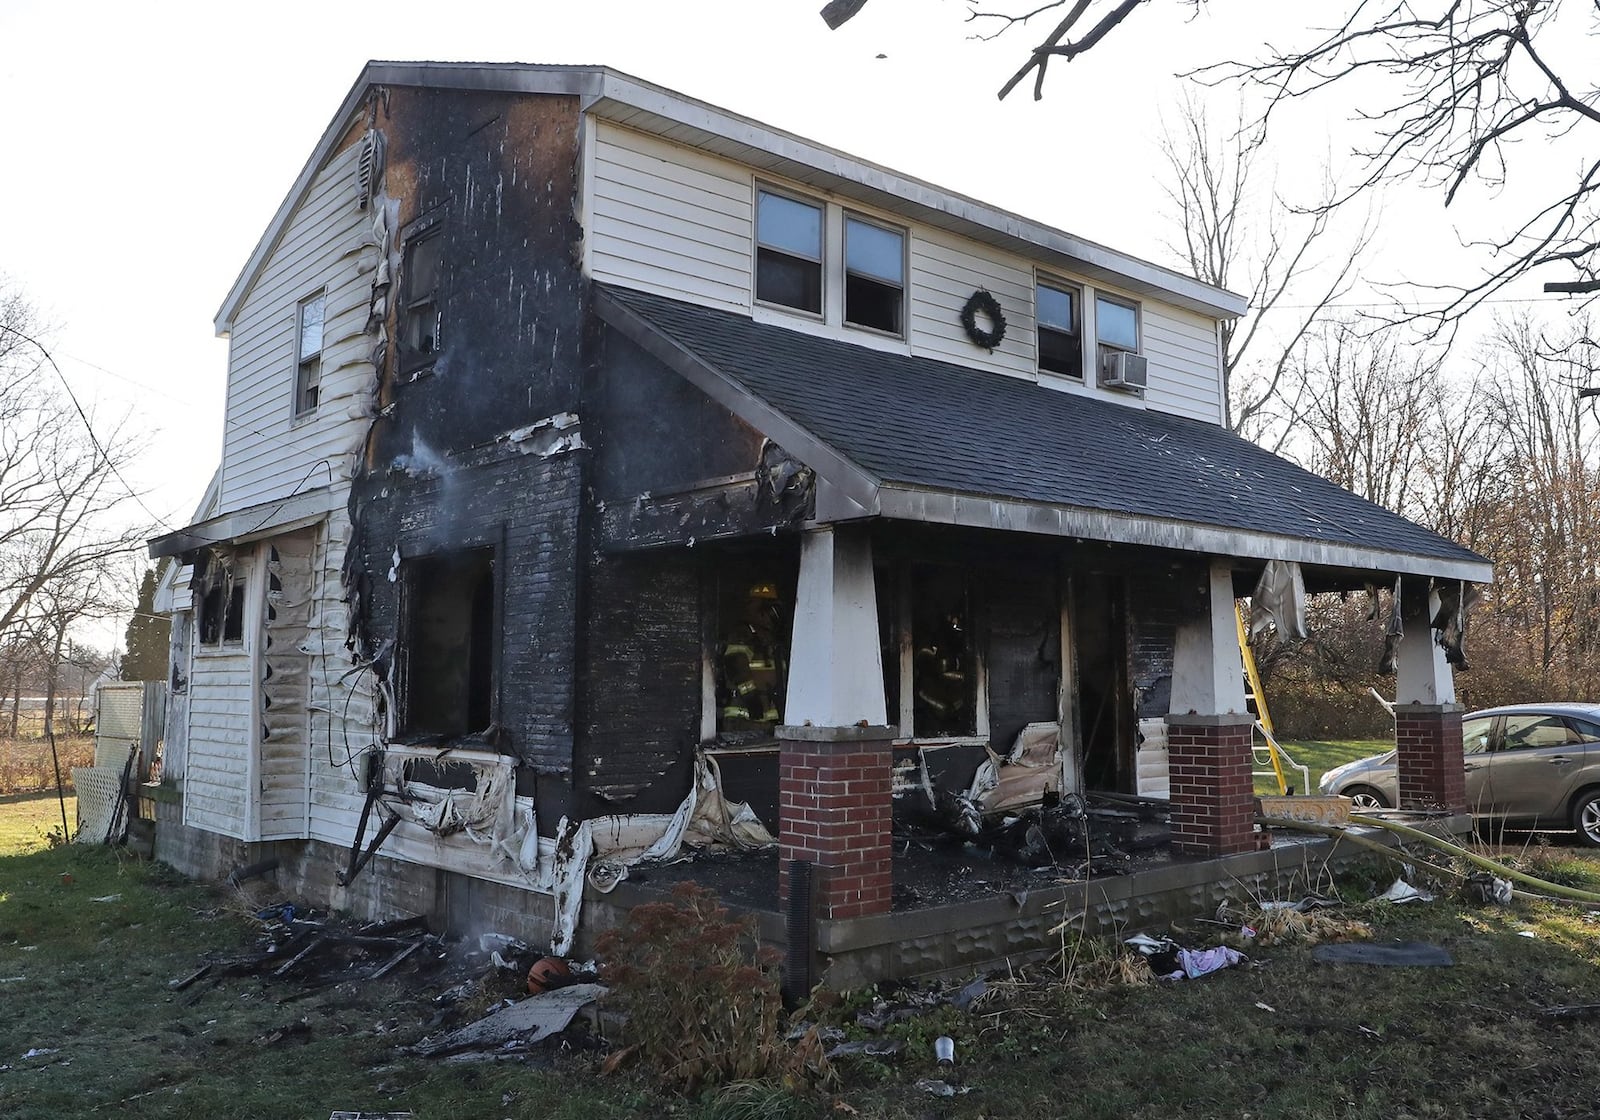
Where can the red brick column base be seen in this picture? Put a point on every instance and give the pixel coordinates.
(1213, 796)
(834, 806)
(1428, 738)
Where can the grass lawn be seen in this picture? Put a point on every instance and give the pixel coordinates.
(26, 818)
(89, 939)
(1320, 756)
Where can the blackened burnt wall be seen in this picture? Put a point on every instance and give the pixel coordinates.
(1023, 611)
(641, 680)
(654, 430)
(500, 174)
(1156, 611)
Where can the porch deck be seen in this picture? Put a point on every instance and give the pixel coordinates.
(956, 910)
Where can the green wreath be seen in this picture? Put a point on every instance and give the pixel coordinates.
(981, 302)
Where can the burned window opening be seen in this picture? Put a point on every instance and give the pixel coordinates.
(944, 678)
(440, 773)
(220, 617)
(449, 642)
(754, 620)
(422, 270)
(233, 620)
(930, 652)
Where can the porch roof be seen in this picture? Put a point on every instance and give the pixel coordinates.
(920, 439)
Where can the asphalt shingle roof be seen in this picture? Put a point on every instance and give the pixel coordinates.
(931, 424)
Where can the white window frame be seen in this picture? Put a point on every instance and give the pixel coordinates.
(846, 216)
(302, 361)
(755, 250)
(1046, 280)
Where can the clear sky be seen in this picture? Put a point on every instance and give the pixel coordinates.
(148, 145)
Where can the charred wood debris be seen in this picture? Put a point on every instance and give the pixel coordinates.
(493, 998)
(1073, 835)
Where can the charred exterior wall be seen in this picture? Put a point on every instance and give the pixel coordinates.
(1154, 624)
(1023, 613)
(647, 565)
(653, 432)
(641, 681)
(497, 176)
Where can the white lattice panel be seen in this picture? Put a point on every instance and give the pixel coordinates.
(97, 798)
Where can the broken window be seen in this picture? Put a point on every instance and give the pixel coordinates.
(874, 276)
(449, 605)
(308, 350)
(1060, 346)
(233, 619)
(212, 603)
(421, 272)
(754, 616)
(220, 618)
(944, 678)
(788, 252)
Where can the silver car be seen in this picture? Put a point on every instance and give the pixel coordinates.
(1528, 765)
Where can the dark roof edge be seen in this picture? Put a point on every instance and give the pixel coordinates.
(844, 473)
(977, 511)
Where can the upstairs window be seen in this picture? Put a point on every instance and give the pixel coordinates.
(788, 252)
(421, 271)
(1116, 325)
(1060, 341)
(308, 352)
(874, 276)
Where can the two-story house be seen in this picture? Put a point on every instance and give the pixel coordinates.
(594, 454)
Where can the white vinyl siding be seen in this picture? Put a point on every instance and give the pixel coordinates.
(669, 220)
(945, 271)
(266, 451)
(217, 772)
(285, 745)
(677, 222)
(1185, 375)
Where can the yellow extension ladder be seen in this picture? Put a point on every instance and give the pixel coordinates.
(1271, 754)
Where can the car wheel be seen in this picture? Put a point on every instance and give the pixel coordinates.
(1365, 797)
(1586, 817)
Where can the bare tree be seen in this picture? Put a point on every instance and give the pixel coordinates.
(65, 510)
(1367, 402)
(1542, 527)
(1227, 234)
(1448, 90)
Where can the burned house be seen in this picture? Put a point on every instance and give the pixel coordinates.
(605, 471)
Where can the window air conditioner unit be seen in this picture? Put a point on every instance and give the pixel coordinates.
(1122, 370)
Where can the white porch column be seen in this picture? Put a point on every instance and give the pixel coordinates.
(835, 664)
(835, 750)
(1207, 669)
(1422, 675)
(1427, 719)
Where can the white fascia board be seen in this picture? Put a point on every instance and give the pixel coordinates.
(263, 520)
(947, 508)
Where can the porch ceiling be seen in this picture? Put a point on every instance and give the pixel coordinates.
(924, 440)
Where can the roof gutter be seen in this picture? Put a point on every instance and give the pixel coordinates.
(944, 507)
(263, 520)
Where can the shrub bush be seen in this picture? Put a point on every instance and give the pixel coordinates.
(701, 995)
